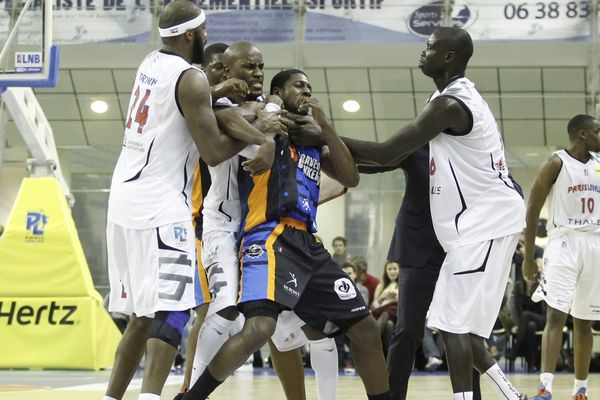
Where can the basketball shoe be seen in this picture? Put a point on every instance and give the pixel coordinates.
(542, 393)
(580, 395)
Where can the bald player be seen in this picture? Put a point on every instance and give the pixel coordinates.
(477, 209)
(169, 123)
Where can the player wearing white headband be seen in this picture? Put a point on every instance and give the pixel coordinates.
(150, 237)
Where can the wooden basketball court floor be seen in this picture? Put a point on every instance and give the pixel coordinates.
(248, 384)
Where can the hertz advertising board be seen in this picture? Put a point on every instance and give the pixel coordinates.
(51, 316)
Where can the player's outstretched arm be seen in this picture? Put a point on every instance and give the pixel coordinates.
(539, 191)
(194, 99)
(438, 115)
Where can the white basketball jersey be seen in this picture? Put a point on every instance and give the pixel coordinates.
(221, 208)
(574, 200)
(152, 181)
(473, 198)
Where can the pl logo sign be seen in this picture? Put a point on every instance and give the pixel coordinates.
(425, 19)
(35, 226)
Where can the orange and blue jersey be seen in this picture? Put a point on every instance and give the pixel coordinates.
(199, 191)
(289, 190)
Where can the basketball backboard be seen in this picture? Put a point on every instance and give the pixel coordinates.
(27, 57)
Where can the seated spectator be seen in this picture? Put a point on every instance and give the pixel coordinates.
(532, 318)
(362, 277)
(350, 269)
(503, 325)
(385, 303)
(433, 349)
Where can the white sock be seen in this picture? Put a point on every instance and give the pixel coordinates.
(324, 360)
(580, 384)
(148, 396)
(501, 385)
(214, 332)
(463, 396)
(109, 398)
(546, 379)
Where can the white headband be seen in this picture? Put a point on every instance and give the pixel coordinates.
(182, 28)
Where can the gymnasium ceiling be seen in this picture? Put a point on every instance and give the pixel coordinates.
(532, 105)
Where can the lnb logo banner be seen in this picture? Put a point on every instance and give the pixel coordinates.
(35, 226)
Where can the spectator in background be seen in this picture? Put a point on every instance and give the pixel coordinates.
(340, 251)
(350, 269)
(531, 318)
(433, 349)
(503, 325)
(362, 277)
(385, 303)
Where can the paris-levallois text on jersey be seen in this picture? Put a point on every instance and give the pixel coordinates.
(584, 187)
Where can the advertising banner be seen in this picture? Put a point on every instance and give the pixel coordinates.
(261, 21)
(51, 316)
(56, 333)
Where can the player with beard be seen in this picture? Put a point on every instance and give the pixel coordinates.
(284, 266)
(221, 219)
(169, 123)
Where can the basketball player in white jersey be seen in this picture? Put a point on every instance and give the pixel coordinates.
(570, 277)
(151, 250)
(477, 210)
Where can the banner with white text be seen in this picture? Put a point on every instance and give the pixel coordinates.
(273, 21)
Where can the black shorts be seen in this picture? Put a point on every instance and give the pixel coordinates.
(284, 263)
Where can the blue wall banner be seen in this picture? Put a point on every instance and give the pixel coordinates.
(273, 21)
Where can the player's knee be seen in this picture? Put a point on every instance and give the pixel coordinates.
(582, 325)
(361, 330)
(168, 326)
(141, 323)
(556, 318)
(260, 326)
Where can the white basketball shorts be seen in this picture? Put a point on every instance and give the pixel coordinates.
(221, 262)
(571, 276)
(472, 282)
(151, 270)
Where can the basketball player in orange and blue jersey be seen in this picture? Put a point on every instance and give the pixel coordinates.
(284, 267)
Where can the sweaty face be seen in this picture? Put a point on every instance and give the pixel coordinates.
(392, 270)
(592, 139)
(249, 68)
(432, 58)
(199, 43)
(214, 69)
(294, 91)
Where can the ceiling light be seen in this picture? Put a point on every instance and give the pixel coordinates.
(351, 106)
(533, 154)
(99, 106)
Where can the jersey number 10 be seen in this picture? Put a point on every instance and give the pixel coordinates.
(141, 116)
(589, 202)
